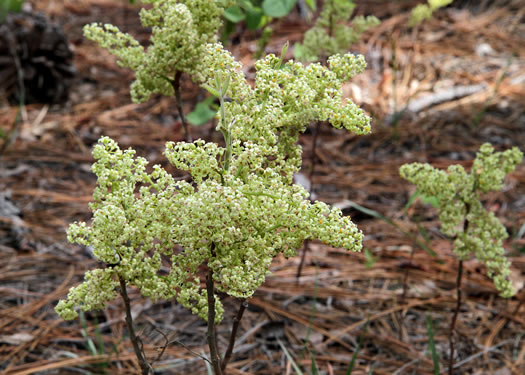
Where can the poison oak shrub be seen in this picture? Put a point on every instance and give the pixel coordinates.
(474, 230)
(242, 208)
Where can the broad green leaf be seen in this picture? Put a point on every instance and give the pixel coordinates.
(9, 6)
(278, 8)
(431, 200)
(254, 18)
(202, 113)
(234, 14)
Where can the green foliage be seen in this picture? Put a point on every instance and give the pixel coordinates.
(263, 41)
(351, 365)
(242, 208)
(257, 13)
(204, 111)
(458, 193)
(278, 8)
(7, 6)
(432, 344)
(330, 34)
(370, 259)
(424, 12)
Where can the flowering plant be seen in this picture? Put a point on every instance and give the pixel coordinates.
(474, 229)
(242, 208)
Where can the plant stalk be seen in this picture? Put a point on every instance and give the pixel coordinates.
(137, 344)
(180, 109)
(310, 176)
(212, 334)
(226, 132)
(235, 327)
(455, 318)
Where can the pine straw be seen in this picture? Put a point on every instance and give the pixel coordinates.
(46, 170)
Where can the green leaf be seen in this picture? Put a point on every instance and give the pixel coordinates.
(290, 358)
(211, 90)
(9, 6)
(431, 343)
(426, 199)
(430, 199)
(234, 14)
(283, 52)
(278, 8)
(254, 18)
(411, 201)
(315, 369)
(311, 4)
(356, 352)
(370, 259)
(202, 113)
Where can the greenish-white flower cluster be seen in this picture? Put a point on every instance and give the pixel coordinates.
(180, 31)
(423, 12)
(242, 208)
(461, 212)
(330, 34)
(286, 98)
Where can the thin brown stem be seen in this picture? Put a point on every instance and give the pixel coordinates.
(310, 189)
(455, 318)
(459, 276)
(180, 109)
(163, 348)
(137, 344)
(235, 328)
(212, 334)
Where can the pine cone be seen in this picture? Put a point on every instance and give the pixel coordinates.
(35, 52)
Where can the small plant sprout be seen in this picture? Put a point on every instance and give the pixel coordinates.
(242, 208)
(330, 34)
(424, 12)
(180, 32)
(473, 229)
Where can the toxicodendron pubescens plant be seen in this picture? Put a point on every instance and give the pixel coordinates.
(180, 31)
(474, 230)
(242, 208)
(331, 34)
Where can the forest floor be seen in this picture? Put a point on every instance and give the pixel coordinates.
(468, 63)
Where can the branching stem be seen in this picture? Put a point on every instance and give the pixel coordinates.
(454, 318)
(180, 109)
(310, 176)
(135, 340)
(212, 334)
(458, 295)
(235, 327)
